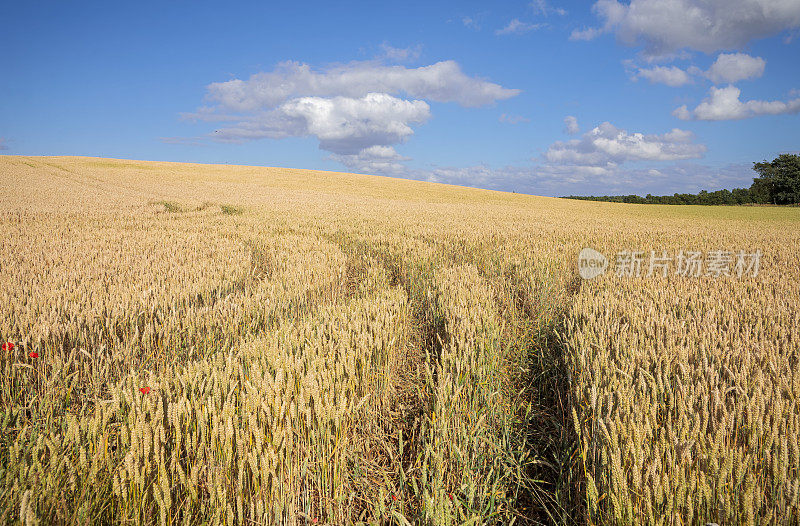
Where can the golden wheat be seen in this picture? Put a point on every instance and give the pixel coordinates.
(238, 345)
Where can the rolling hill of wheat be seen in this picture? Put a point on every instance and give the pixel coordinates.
(209, 344)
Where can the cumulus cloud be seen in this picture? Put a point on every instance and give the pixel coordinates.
(667, 26)
(516, 27)
(594, 164)
(727, 68)
(671, 76)
(343, 125)
(610, 11)
(606, 146)
(356, 111)
(733, 67)
(723, 104)
(571, 125)
(440, 82)
(374, 159)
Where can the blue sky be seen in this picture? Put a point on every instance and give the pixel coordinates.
(549, 98)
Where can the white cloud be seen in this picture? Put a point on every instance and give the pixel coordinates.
(470, 23)
(733, 67)
(610, 10)
(3, 145)
(480, 176)
(607, 146)
(593, 164)
(723, 104)
(558, 180)
(679, 177)
(406, 54)
(375, 160)
(343, 125)
(515, 27)
(355, 111)
(682, 113)
(513, 119)
(727, 68)
(571, 125)
(671, 76)
(588, 33)
(666, 26)
(439, 82)
(542, 8)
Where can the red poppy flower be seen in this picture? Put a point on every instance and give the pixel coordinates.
(33, 354)
(450, 495)
(315, 520)
(394, 498)
(8, 346)
(144, 390)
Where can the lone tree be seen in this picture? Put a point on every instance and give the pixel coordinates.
(779, 181)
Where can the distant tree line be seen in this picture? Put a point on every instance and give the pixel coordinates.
(778, 183)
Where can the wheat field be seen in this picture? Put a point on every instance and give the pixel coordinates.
(209, 344)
